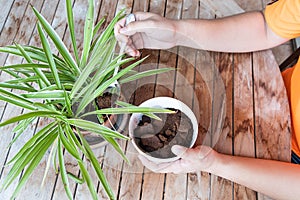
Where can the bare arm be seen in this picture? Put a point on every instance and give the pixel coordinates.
(240, 33)
(279, 180)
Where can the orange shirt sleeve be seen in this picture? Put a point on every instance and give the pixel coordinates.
(283, 17)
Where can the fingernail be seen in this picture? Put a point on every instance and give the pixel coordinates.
(178, 150)
(133, 53)
(138, 54)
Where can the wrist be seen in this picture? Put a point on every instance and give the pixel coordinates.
(185, 36)
(181, 34)
(216, 162)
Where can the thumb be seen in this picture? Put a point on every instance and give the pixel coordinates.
(178, 150)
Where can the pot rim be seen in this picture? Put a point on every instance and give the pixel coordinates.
(163, 102)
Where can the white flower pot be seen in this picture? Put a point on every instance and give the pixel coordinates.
(162, 102)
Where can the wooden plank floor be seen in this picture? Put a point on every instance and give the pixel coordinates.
(17, 23)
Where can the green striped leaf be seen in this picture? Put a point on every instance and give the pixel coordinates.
(72, 137)
(67, 144)
(124, 104)
(29, 144)
(61, 47)
(75, 178)
(71, 29)
(95, 128)
(50, 114)
(91, 156)
(88, 99)
(49, 56)
(18, 87)
(98, 25)
(32, 157)
(25, 66)
(88, 180)
(53, 94)
(16, 100)
(145, 74)
(34, 163)
(88, 33)
(126, 110)
(36, 70)
(63, 172)
(35, 53)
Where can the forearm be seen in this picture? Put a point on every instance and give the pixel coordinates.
(276, 179)
(240, 33)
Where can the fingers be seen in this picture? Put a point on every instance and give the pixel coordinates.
(118, 26)
(141, 24)
(179, 150)
(132, 51)
(140, 16)
(199, 152)
(122, 39)
(160, 167)
(191, 160)
(133, 33)
(146, 26)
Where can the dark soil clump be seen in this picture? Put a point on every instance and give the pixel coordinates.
(156, 137)
(107, 100)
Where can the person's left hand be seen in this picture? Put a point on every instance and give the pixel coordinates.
(149, 31)
(191, 160)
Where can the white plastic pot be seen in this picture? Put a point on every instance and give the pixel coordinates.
(162, 102)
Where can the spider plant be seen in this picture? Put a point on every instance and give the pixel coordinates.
(47, 85)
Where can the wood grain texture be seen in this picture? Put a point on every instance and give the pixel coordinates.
(45, 191)
(253, 123)
(250, 5)
(148, 190)
(177, 80)
(243, 116)
(223, 144)
(79, 8)
(222, 8)
(244, 134)
(199, 183)
(193, 90)
(4, 11)
(268, 111)
(112, 162)
(267, 81)
(10, 110)
(132, 175)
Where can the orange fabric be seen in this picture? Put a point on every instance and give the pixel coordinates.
(283, 17)
(292, 84)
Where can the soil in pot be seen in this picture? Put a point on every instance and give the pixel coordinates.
(108, 100)
(156, 137)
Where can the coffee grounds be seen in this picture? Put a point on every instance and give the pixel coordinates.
(156, 137)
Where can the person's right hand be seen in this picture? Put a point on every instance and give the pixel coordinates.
(149, 31)
(200, 158)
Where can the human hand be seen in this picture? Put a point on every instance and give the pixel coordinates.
(191, 160)
(149, 31)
